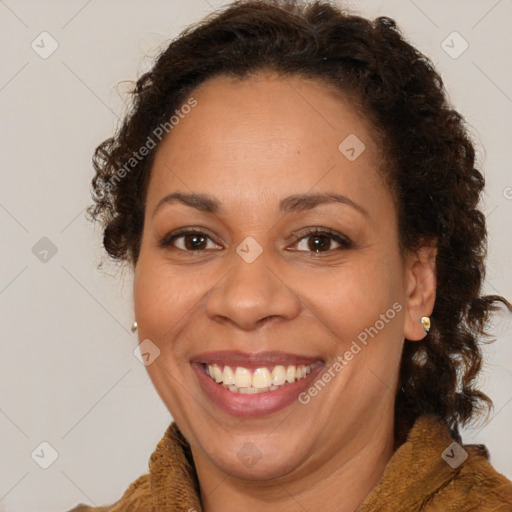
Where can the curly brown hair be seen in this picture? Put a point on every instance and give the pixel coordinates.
(429, 165)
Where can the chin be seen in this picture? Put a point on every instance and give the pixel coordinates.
(253, 464)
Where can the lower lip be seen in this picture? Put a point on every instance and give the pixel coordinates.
(257, 404)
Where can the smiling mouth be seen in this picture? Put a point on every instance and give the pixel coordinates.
(258, 380)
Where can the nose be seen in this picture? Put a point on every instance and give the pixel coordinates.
(252, 294)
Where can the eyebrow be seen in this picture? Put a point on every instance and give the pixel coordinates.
(290, 204)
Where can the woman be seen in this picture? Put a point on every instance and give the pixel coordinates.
(299, 203)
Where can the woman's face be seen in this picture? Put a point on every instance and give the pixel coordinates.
(247, 284)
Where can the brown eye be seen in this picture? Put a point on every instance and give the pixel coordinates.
(194, 242)
(189, 241)
(320, 241)
(316, 243)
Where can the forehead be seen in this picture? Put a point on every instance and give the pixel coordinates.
(267, 136)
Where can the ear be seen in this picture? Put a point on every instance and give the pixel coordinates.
(420, 290)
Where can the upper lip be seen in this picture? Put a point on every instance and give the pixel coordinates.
(254, 359)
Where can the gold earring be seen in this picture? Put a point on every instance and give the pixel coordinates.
(134, 327)
(425, 321)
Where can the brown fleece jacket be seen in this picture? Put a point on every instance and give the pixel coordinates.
(419, 477)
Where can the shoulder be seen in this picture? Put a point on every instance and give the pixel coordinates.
(171, 478)
(137, 498)
(476, 485)
(466, 480)
(432, 472)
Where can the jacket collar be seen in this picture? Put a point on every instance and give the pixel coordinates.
(418, 469)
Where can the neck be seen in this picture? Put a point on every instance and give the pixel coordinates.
(339, 484)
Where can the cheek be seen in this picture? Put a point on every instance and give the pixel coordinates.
(163, 296)
(351, 298)
(163, 300)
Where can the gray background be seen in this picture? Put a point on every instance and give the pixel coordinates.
(68, 375)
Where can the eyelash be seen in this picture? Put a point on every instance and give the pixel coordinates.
(345, 242)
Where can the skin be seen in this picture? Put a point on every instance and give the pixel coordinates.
(250, 144)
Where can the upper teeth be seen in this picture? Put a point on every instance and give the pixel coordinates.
(262, 379)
